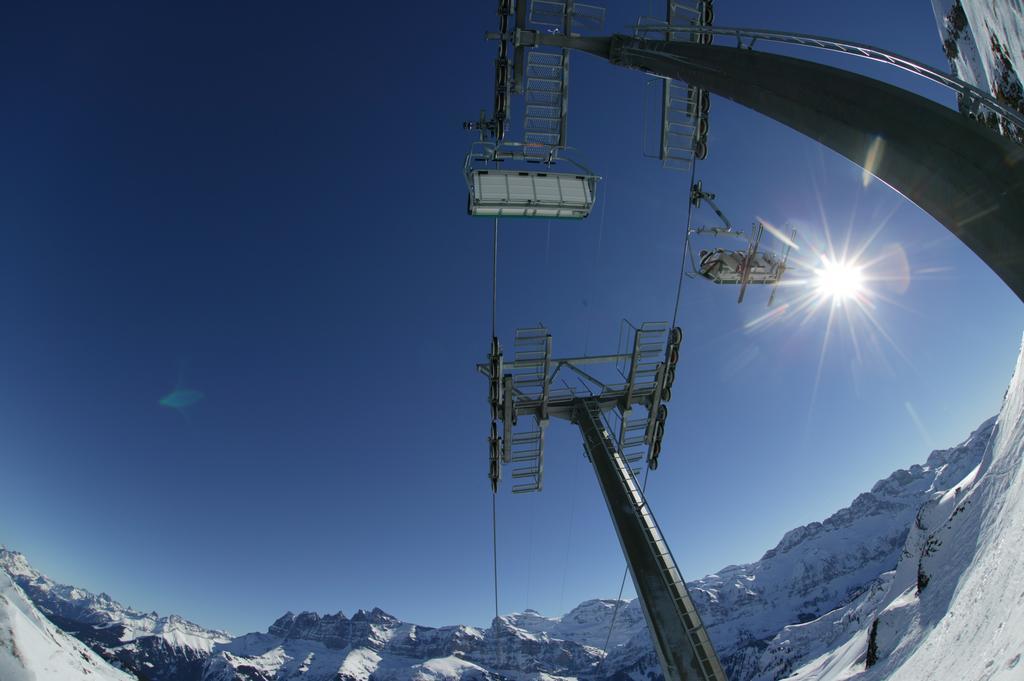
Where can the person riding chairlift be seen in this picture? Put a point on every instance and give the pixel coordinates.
(722, 266)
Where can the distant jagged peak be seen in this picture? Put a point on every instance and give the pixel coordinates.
(372, 629)
(375, 616)
(290, 625)
(505, 622)
(598, 604)
(532, 621)
(16, 564)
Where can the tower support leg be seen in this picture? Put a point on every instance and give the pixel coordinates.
(682, 644)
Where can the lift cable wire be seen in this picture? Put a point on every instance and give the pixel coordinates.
(597, 262)
(686, 242)
(494, 495)
(675, 318)
(547, 257)
(568, 539)
(622, 585)
(494, 283)
(529, 554)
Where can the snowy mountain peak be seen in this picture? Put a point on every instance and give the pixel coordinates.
(32, 648)
(376, 616)
(15, 563)
(372, 628)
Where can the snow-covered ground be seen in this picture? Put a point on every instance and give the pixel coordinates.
(954, 607)
(33, 649)
(984, 41)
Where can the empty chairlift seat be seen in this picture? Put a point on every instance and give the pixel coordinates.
(514, 193)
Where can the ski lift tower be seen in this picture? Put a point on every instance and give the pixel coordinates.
(622, 422)
(621, 419)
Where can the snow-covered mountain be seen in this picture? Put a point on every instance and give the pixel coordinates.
(587, 623)
(984, 42)
(33, 649)
(808, 594)
(375, 644)
(953, 608)
(152, 647)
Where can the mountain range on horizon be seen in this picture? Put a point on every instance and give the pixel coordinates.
(815, 571)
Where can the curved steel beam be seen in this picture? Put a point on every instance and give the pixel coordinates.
(966, 176)
(975, 99)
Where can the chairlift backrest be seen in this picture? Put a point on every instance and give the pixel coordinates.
(518, 193)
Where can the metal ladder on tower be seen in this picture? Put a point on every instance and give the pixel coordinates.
(684, 127)
(547, 80)
(684, 108)
(642, 373)
(532, 354)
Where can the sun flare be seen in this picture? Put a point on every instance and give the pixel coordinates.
(838, 280)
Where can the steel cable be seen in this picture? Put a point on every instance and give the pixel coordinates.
(494, 494)
(675, 318)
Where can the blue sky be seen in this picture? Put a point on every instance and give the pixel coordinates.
(265, 204)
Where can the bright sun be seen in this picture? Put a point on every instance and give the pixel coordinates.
(838, 280)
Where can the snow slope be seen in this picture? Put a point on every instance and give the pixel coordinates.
(162, 648)
(984, 42)
(954, 607)
(33, 649)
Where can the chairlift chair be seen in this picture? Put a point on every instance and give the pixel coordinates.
(732, 267)
(737, 266)
(496, 191)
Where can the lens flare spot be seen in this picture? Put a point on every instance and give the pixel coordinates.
(838, 280)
